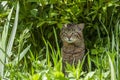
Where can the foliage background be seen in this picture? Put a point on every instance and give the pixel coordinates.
(39, 24)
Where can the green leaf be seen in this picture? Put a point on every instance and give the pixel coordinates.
(89, 75)
(36, 76)
(112, 69)
(94, 51)
(3, 43)
(22, 54)
(12, 36)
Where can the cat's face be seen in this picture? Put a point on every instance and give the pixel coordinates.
(72, 32)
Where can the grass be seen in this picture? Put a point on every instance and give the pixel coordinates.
(17, 61)
(7, 45)
(51, 66)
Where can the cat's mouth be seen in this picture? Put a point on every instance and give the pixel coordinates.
(70, 40)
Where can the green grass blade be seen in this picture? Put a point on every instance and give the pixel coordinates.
(47, 52)
(12, 36)
(113, 41)
(3, 43)
(5, 31)
(22, 54)
(56, 40)
(108, 37)
(89, 62)
(117, 33)
(112, 69)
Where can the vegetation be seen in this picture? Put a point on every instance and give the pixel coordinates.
(30, 43)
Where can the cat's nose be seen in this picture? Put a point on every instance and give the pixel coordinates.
(69, 36)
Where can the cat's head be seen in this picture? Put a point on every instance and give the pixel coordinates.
(72, 32)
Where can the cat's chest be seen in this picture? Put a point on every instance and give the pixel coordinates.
(71, 49)
(70, 53)
(68, 49)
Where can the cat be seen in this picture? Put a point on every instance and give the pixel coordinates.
(73, 48)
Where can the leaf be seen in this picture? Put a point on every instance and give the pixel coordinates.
(89, 75)
(22, 54)
(12, 36)
(113, 77)
(36, 76)
(5, 31)
(94, 51)
(3, 42)
(34, 12)
(40, 24)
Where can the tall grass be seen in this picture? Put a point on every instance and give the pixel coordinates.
(103, 57)
(3, 42)
(117, 38)
(7, 45)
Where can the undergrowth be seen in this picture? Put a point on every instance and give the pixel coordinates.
(30, 46)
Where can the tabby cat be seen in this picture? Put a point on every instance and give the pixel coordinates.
(73, 48)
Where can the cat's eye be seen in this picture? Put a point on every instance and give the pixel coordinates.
(65, 33)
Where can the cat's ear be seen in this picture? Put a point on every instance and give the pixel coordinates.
(81, 26)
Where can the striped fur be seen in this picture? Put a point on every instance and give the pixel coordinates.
(73, 48)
